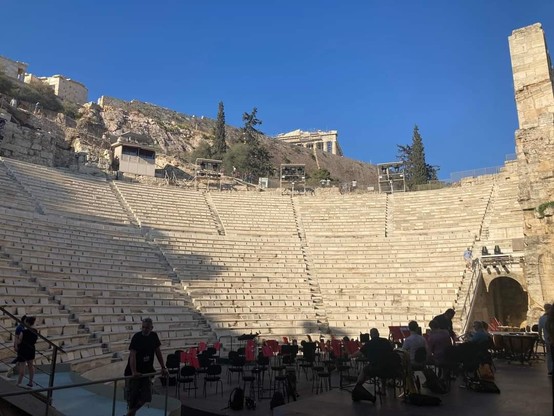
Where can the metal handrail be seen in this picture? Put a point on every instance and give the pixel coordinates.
(3, 309)
(49, 390)
(55, 349)
(470, 296)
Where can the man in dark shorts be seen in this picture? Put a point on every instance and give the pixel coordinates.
(26, 350)
(144, 345)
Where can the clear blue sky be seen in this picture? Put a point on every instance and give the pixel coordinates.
(369, 69)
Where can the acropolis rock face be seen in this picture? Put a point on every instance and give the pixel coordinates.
(533, 83)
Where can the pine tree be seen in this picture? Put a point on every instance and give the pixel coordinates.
(416, 170)
(249, 132)
(219, 145)
(250, 157)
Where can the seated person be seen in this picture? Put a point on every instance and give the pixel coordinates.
(414, 342)
(479, 335)
(377, 351)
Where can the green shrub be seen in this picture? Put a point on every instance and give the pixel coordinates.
(542, 207)
(31, 93)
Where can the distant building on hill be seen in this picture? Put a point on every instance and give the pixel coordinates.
(133, 157)
(65, 88)
(321, 140)
(13, 69)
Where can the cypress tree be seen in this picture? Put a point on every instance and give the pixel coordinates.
(419, 174)
(416, 170)
(220, 145)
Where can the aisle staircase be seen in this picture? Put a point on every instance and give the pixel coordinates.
(317, 297)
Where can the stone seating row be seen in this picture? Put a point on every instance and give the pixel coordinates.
(210, 297)
(61, 224)
(253, 304)
(78, 302)
(191, 239)
(275, 290)
(234, 282)
(54, 285)
(81, 241)
(62, 260)
(23, 232)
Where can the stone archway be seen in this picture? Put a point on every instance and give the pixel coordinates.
(507, 301)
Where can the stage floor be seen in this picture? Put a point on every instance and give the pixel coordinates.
(525, 390)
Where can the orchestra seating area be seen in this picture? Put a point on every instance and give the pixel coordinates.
(91, 258)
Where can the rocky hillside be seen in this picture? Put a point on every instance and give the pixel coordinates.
(82, 143)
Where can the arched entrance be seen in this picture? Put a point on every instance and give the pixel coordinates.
(507, 301)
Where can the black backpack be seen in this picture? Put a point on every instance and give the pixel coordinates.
(291, 385)
(277, 400)
(433, 382)
(236, 399)
(423, 399)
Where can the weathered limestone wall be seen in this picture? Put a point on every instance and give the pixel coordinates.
(13, 69)
(532, 71)
(67, 88)
(37, 140)
(534, 94)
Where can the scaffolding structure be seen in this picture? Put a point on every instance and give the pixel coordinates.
(391, 177)
(208, 171)
(292, 178)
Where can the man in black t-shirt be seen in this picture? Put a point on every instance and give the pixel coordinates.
(377, 352)
(144, 345)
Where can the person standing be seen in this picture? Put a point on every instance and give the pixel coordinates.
(144, 346)
(444, 321)
(544, 335)
(468, 258)
(26, 350)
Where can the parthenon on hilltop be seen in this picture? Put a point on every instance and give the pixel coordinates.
(320, 140)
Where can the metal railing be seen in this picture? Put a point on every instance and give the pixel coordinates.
(114, 380)
(467, 309)
(457, 176)
(54, 358)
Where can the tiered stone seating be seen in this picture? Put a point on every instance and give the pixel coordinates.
(20, 295)
(106, 277)
(376, 282)
(454, 209)
(337, 215)
(67, 194)
(243, 284)
(12, 195)
(168, 208)
(372, 260)
(255, 214)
